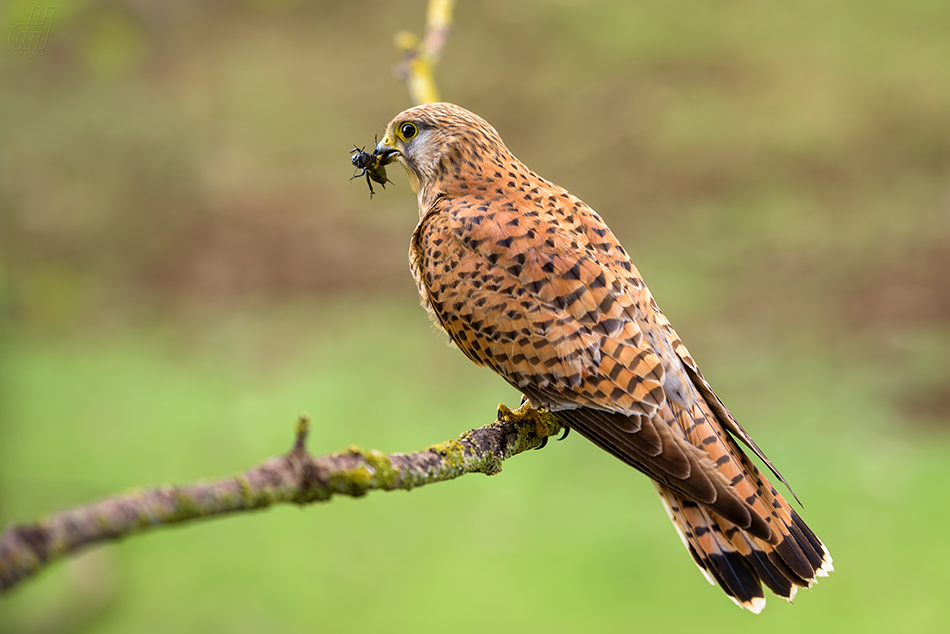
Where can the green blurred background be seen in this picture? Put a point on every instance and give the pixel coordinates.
(185, 268)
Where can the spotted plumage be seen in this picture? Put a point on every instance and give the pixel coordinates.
(527, 280)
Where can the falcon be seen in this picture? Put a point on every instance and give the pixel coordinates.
(528, 280)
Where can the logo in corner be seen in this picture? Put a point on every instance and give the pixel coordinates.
(29, 39)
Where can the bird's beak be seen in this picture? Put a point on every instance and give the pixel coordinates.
(386, 151)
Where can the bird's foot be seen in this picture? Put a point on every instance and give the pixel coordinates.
(532, 425)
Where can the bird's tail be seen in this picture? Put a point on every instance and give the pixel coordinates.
(739, 562)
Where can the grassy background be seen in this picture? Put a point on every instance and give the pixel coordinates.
(185, 268)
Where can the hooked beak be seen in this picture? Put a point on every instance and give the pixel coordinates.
(385, 151)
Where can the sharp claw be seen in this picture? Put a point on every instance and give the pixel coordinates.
(544, 441)
(567, 430)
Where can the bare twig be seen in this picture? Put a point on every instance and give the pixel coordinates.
(296, 478)
(417, 68)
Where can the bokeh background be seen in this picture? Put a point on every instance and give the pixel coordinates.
(185, 267)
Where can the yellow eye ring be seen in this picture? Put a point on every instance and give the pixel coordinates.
(408, 131)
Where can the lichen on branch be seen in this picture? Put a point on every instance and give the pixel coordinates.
(296, 478)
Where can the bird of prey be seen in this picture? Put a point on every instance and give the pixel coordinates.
(529, 281)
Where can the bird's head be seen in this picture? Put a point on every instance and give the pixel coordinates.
(441, 142)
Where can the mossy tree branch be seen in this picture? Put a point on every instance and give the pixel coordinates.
(295, 478)
(417, 68)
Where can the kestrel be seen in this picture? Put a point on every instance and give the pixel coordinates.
(528, 280)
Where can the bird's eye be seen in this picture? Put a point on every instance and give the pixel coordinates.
(408, 131)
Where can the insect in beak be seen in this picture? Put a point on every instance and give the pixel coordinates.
(372, 166)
